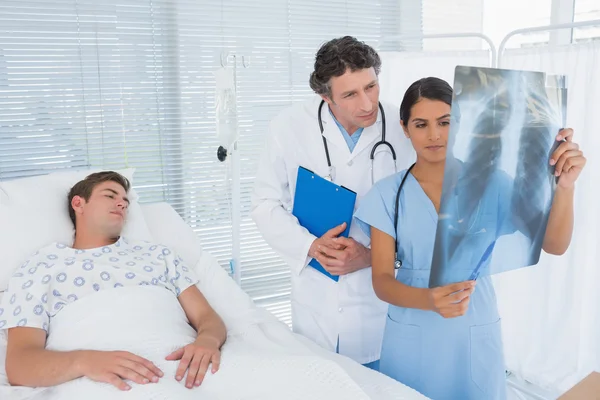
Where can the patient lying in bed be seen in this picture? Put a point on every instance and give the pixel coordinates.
(106, 317)
(100, 260)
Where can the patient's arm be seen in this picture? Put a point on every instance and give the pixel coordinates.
(211, 336)
(28, 363)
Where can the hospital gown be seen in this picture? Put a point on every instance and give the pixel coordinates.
(443, 358)
(58, 275)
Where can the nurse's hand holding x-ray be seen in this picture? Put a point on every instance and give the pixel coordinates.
(340, 255)
(568, 160)
(451, 301)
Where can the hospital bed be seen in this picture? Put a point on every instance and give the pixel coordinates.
(266, 359)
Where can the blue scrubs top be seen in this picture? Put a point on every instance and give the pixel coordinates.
(454, 358)
(351, 140)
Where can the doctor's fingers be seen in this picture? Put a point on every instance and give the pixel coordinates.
(335, 231)
(346, 243)
(329, 263)
(342, 255)
(331, 243)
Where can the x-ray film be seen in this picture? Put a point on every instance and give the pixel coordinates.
(498, 183)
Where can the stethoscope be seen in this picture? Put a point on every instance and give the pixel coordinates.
(397, 261)
(381, 142)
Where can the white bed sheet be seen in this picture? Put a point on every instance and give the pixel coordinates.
(242, 318)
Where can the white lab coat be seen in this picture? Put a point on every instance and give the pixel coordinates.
(322, 309)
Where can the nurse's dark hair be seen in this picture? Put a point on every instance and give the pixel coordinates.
(337, 56)
(85, 187)
(426, 88)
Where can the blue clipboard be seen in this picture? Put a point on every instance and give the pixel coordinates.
(320, 205)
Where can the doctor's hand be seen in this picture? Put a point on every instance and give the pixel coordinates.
(327, 240)
(195, 359)
(567, 159)
(452, 300)
(351, 257)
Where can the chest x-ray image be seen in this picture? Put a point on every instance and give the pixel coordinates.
(498, 183)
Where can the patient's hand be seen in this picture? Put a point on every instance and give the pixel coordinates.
(115, 366)
(195, 358)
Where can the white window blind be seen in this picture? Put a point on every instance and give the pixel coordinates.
(115, 83)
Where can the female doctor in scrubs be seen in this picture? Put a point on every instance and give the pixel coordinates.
(444, 342)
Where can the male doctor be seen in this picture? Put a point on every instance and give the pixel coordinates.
(344, 316)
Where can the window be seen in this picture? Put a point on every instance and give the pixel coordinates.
(587, 10)
(504, 16)
(116, 83)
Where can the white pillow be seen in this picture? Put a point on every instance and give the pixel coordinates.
(34, 214)
(169, 229)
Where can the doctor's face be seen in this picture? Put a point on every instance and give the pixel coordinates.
(104, 212)
(427, 129)
(355, 98)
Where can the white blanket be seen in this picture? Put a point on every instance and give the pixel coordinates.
(257, 363)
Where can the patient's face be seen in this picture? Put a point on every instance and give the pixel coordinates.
(106, 209)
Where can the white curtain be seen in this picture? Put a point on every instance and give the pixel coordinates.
(400, 69)
(550, 312)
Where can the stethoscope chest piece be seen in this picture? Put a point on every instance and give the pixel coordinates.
(397, 264)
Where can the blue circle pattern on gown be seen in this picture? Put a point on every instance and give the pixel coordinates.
(162, 266)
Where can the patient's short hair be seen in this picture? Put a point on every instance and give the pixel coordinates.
(84, 188)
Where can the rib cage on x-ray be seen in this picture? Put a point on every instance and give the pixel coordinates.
(500, 148)
(534, 174)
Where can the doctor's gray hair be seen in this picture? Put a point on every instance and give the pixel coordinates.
(335, 57)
